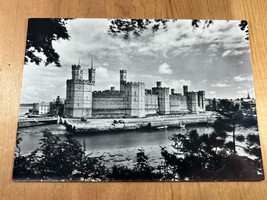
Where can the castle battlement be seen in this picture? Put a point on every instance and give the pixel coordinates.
(79, 81)
(135, 84)
(176, 94)
(131, 100)
(108, 93)
(161, 88)
(76, 67)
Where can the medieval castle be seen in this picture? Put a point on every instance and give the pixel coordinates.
(132, 100)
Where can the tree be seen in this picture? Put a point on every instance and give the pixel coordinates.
(141, 170)
(127, 28)
(208, 157)
(58, 159)
(41, 34)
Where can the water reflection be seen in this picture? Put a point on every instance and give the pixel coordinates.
(104, 141)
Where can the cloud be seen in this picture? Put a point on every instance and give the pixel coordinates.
(176, 84)
(220, 85)
(211, 93)
(204, 81)
(165, 69)
(232, 53)
(244, 93)
(102, 72)
(243, 77)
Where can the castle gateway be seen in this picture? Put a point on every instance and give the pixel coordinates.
(132, 100)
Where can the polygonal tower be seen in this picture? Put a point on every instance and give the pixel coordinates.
(91, 74)
(185, 90)
(123, 79)
(78, 101)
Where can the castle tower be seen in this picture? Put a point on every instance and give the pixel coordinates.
(135, 99)
(201, 100)
(123, 79)
(158, 84)
(163, 98)
(78, 101)
(91, 73)
(77, 72)
(185, 89)
(192, 102)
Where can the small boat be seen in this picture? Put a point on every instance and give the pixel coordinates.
(162, 127)
(83, 119)
(181, 126)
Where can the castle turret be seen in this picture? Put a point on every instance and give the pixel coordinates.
(77, 72)
(201, 99)
(163, 98)
(78, 101)
(91, 74)
(123, 79)
(185, 88)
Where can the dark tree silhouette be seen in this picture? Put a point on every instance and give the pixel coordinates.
(141, 170)
(58, 160)
(125, 28)
(41, 34)
(210, 157)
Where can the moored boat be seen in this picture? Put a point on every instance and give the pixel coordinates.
(162, 127)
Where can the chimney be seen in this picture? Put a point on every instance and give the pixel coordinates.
(172, 91)
(112, 88)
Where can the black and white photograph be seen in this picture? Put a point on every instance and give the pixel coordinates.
(137, 100)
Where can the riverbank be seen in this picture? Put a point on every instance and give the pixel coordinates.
(76, 126)
(32, 122)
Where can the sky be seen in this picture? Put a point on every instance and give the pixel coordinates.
(214, 59)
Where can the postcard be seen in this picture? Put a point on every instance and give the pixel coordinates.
(137, 100)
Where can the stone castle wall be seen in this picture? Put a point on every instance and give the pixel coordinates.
(163, 99)
(178, 104)
(78, 101)
(151, 104)
(109, 104)
(135, 99)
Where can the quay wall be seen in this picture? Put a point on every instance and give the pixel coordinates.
(76, 126)
(36, 122)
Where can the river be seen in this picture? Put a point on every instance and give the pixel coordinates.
(119, 148)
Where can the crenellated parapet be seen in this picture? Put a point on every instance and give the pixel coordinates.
(135, 84)
(108, 94)
(79, 81)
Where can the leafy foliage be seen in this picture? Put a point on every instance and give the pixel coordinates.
(141, 171)
(126, 28)
(210, 157)
(57, 159)
(41, 34)
(194, 156)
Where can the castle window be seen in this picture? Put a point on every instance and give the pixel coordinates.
(135, 93)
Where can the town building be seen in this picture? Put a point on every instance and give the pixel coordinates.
(41, 108)
(132, 100)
